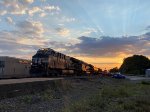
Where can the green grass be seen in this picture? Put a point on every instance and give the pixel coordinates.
(111, 92)
(145, 82)
(52, 92)
(48, 95)
(58, 86)
(116, 98)
(27, 99)
(4, 107)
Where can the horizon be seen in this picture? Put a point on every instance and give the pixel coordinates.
(99, 32)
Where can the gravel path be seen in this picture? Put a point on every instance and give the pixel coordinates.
(25, 80)
(55, 100)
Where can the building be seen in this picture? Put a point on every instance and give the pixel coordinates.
(147, 73)
(11, 67)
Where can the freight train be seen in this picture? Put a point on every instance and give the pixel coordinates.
(47, 62)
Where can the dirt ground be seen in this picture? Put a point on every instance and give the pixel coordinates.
(63, 95)
(52, 100)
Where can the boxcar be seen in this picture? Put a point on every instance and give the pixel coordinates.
(11, 67)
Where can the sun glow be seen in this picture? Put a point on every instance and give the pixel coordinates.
(103, 62)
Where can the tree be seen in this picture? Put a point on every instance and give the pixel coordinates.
(136, 64)
(100, 70)
(114, 70)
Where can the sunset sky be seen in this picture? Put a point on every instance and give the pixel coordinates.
(100, 32)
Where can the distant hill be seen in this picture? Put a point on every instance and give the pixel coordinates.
(136, 64)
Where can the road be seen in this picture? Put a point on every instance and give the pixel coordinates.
(137, 78)
(25, 80)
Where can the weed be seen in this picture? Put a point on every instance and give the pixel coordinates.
(120, 98)
(145, 82)
(47, 95)
(27, 99)
(66, 85)
(116, 92)
(5, 107)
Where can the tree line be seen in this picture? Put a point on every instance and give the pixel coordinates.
(136, 64)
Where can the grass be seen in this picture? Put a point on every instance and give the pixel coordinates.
(114, 96)
(27, 99)
(145, 82)
(5, 107)
(48, 95)
(59, 86)
(65, 85)
(115, 92)
(52, 92)
(125, 97)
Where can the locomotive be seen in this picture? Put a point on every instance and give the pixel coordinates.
(47, 62)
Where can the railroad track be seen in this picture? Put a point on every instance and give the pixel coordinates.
(26, 80)
(39, 79)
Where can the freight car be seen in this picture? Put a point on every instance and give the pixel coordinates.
(47, 62)
(94, 70)
(80, 67)
(11, 67)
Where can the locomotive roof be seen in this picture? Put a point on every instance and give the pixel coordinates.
(45, 49)
(45, 52)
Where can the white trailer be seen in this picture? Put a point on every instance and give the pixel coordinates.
(147, 72)
(11, 67)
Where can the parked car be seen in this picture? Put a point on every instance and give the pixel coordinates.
(118, 76)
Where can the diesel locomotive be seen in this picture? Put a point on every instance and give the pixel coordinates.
(47, 62)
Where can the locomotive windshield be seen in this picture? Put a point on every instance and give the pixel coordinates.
(35, 60)
(39, 60)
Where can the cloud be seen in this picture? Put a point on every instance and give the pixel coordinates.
(31, 28)
(32, 41)
(14, 45)
(66, 19)
(27, 1)
(8, 3)
(43, 14)
(89, 31)
(10, 46)
(69, 19)
(112, 46)
(28, 33)
(51, 8)
(17, 7)
(34, 10)
(147, 28)
(22, 7)
(3, 12)
(9, 20)
(63, 31)
(43, 0)
(24, 40)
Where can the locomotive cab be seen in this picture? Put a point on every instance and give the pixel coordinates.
(47, 62)
(39, 64)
